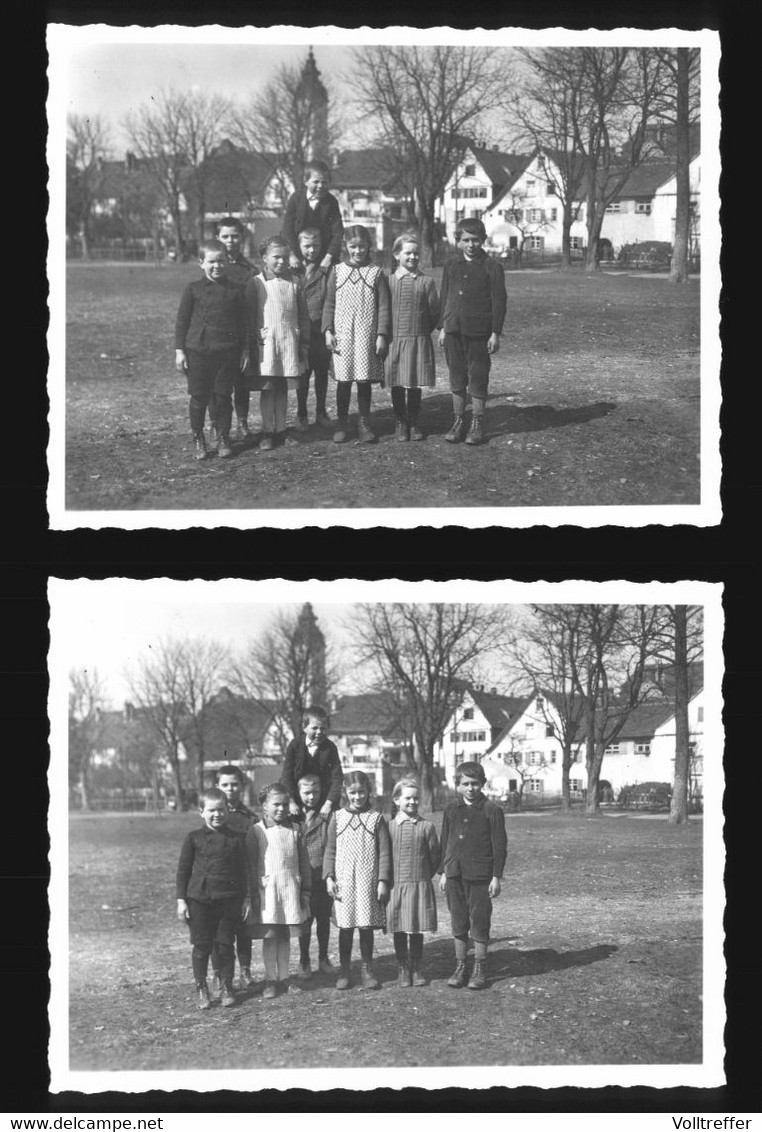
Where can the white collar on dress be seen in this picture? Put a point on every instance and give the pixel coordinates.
(401, 272)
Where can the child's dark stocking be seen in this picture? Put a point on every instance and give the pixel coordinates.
(369, 980)
(304, 944)
(343, 396)
(413, 413)
(321, 392)
(364, 431)
(398, 403)
(200, 962)
(197, 412)
(345, 955)
(416, 955)
(400, 950)
(301, 399)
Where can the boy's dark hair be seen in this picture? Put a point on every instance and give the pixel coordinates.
(211, 246)
(278, 241)
(471, 225)
(470, 770)
(313, 233)
(309, 778)
(316, 712)
(230, 769)
(278, 788)
(315, 165)
(211, 794)
(230, 222)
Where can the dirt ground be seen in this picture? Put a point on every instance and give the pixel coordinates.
(594, 402)
(596, 959)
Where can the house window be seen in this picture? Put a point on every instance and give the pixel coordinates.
(700, 715)
(552, 757)
(550, 730)
(468, 713)
(534, 758)
(469, 171)
(612, 749)
(531, 185)
(473, 736)
(535, 785)
(536, 215)
(575, 243)
(615, 206)
(512, 785)
(454, 193)
(575, 783)
(643, 207)
(529, 728)
(537, 243)
(453, 736)
(642, 748)
(550, 189)
(554, 214)
(516, 214)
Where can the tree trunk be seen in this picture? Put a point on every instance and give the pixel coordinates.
(566, 764)
(594, 763)
(594, 225)
(427, 236)
(424, 754)
(566, 224)
(83, 787)
(178, 782)
(678, 809)
(678, 272)
(84, 241)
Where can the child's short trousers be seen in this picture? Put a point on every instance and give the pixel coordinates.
(214, 921)
(470, 908)
(214, 372)
(469, 363)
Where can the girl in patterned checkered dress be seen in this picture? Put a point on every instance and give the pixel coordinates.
(357, 328)
(280, 878)
(280, 323)
(357, 871)
(412, 907)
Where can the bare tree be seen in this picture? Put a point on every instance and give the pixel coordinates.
(87, 147)
(86, 699)
(546, 649)
(158, 135)
(157, 686)
(200, 663)
(422, 653)
(285, 127)
(680, 107)
(527, 221)
(423, 102)
(284, 671)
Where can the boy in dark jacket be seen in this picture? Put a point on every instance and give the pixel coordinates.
(211, 346)
(474, 846)
(314, 207)
(230, 780)
(314, 753)
(313, 831)
(473, 305)
(240, 271)
(211, 885)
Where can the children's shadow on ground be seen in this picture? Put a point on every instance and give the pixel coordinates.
(508, 962)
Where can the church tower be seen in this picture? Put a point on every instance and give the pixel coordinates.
(313, 642)
(314, 98)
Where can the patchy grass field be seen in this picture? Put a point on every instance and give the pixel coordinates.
(594, 401)
(596, 959)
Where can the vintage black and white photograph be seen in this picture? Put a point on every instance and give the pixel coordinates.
(513, 791)
(471, 277)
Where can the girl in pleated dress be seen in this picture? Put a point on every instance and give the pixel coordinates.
(279, 321)
(357, 872)
(280, 878)
(415, 313)
(412, 908)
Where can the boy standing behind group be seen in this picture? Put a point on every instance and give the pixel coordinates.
(314, 207)
(240, 271)
(314, 753)
(314, 281)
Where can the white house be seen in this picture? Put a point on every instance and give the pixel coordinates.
(473, 727)
(478, 178)
(527, 755)
(645, 748)
(528, 212)
(367, 186)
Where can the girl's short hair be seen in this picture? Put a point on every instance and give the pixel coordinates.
(211, 794)
(211, 246)
(408, 783)
(272, 242)
(278, 788)
(358, 778)
(357, 232)
(472, 226)
(315, 712)
(470, 770)
(410, 237)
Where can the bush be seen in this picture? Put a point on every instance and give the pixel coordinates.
(648, 253)
(642, 794)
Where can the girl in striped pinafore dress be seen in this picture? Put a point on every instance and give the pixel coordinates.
(357, 871)
(412, 907)
(357, 326)
(279, 322)
(280, 878)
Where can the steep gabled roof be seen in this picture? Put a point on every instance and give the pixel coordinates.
(369, 713)
(374, 168)
(497, 709)
(236, 178)
(500, 167)
(643, 721)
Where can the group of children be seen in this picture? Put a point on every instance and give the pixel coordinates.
(310, 312)
(308, 861)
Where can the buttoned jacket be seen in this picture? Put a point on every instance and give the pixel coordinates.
(325, 763)
(474, 842)
(212, 865)
(326, 217)
(472, 297)
(212, 317)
